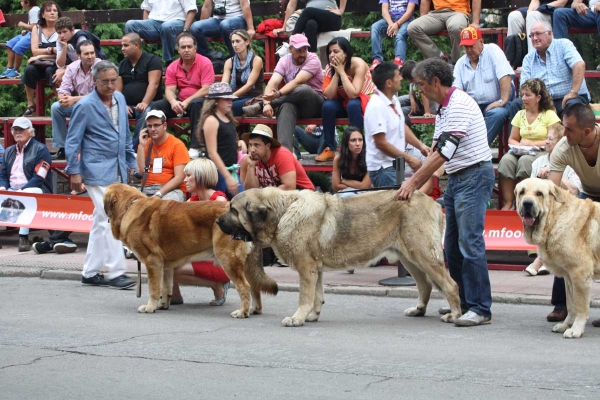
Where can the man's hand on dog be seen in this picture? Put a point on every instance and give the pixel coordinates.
(406, 190)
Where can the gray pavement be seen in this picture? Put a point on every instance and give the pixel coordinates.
(507, 286)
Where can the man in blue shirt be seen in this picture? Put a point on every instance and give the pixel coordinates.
(486, 75)
(558, 64)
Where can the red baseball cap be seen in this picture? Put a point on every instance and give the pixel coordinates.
(469, 36)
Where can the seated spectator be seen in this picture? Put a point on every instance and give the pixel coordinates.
(168, 157)
(301, 95)
(529, 128)
(349, 165)
(318, 16)
(579, 15)
(452, 16)
(187, 82)
(427, 187)
(347, 86)
(397, 14)
(219, 18)
(26, 167)
(76, 83)
(140, 80)
(310, 138)
(43, 46)
(522, 19)
(269, 164)
(20, 44)
(68, 39)
(569, 181)
(486, 75)
(200, 178)
(414, 103)
(220, 136)
(164, 20)
(244, 71)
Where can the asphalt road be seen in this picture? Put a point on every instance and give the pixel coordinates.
(59, 340)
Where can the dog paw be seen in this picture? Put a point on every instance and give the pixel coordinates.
(312, 317)
(560, 328)
(415, 312)
(146, 309)
(291, 321)
(239, 314)
(448, 318)
(255, 311)
(573, 333)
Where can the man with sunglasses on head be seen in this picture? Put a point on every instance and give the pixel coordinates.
(139, 80)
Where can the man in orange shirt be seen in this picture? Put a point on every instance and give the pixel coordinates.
(168, 157)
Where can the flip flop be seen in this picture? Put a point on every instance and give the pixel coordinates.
(221, 301)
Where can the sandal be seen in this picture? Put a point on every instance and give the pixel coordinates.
(29, 112)
(221, 301)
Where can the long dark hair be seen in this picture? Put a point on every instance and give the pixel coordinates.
(44, 7)
(346, 48)
(346, 155)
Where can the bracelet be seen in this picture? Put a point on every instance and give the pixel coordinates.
(280, 94)
(266, 104)
(574, 91)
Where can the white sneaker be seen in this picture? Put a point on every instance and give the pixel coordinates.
(283, 50)
(530, 270)
(472, 319)
(194, 153)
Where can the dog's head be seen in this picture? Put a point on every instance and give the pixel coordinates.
(11, 209)
(117, 200)
(253, 216)
(535, 201)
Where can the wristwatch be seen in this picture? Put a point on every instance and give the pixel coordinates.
(185, 30)
(501, 102)
(158, 194)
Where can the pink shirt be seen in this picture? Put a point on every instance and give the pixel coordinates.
(17, 176)
(289, 70)
(201, 73)
(76, 82)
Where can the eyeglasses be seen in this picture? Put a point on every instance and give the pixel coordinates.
(534, 34)
(106, 82)
(154, 126)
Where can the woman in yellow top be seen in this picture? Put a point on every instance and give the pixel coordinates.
(529, 128)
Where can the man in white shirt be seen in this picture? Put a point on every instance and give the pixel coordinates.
(164, 20)
(386, 133)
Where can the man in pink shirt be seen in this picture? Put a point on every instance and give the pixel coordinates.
(302, 93)
(186, 84)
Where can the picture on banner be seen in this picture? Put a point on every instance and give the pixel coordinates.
(17, 209)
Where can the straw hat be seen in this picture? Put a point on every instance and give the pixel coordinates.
(262, 130)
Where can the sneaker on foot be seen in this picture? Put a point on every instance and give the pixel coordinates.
(5, 72)
(472, 319)
(194, 153)
(326, 155)
(24, 244)
(375, 64)
(530, 270)
(121, 282)
(398, 61)
(41, 247)
(252, 110)
(13, 74)
(96, 280)
(65, 247)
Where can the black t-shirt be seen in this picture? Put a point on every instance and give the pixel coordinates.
(227, 142)
(135, 79)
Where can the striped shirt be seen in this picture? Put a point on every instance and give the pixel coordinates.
(461, 116)
(557, 71)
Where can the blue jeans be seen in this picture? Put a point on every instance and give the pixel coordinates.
(214, 27)
(20, 44)
(333, 109)
(379, 31)
(222, 186)
(495, 119)
(311, 143)
(59, 124)
(466, 201)
(563, 18)
(559, 293)
(237, 105)
(151, 29)
(383, 177)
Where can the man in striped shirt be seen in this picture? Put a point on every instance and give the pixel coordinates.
(460, 144)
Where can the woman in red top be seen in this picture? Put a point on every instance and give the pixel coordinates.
(200, 176)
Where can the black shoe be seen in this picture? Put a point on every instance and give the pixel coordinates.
(121, 282)
(59, 155)
(96, 280)
(41, 247)
(24, 244)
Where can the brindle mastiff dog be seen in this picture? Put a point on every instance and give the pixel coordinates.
(166, 234)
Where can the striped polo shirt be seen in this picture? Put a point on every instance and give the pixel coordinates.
(460, 115)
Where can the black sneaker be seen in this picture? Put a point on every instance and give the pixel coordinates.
(96, 280)
(41, 247)
(121, 282)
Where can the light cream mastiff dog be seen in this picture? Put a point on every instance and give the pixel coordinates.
(314, 232)
(567, 232)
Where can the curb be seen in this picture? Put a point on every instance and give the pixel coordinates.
(407, 293)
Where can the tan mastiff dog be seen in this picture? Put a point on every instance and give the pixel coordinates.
(566, 231)
(315, 232)
(166, 234)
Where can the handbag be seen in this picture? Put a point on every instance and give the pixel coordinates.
(254, 100)
(44, 62)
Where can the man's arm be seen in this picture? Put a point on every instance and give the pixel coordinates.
(421, 176)
(475, 12)
(175, 182)
(411, 138)
(189, 19)
(425, 7)
(154, 78)
(555, 177)
(390, 150)
(245, 5)
(207, 8)
(505, 87)
(36, 181)
(288, 181)
(247, 173)
(202, 92)
(300, 79)
(578, 74)
(171, 94)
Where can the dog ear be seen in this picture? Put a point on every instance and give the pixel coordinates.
(257, 215)
(109, 202)
(557, 193)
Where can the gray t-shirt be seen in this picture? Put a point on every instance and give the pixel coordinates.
(321, 4)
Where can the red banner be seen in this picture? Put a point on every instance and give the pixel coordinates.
(504, 231)
(46, 211)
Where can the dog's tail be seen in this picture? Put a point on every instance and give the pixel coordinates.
(255, 273)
